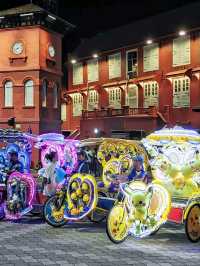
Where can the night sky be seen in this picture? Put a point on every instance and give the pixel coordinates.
(91, 16)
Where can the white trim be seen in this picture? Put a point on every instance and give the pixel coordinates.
(127, 51)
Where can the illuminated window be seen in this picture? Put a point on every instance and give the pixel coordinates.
(8, 94)
(181, 51)
(29, 93)
(93, 100)
(55, 96)
(132, 96)
(131, 64)
(93, 70)
(44, 93)
(115, 98)
(151, 57)
(77, 73)
(63, 112)
(181, 92)
(150, 94)
(114, 65)
(77, 104)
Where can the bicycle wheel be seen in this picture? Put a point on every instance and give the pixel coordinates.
(192, 223)
(54, 212)
(116, 227)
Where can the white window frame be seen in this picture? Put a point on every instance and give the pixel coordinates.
(55, 95)
(131, 86)
(44, 92)
(181, 63)
(115, 98)
(29, 93)
(93, 100)
(179, 92)
(75, 68)
(77, 100)
(91, 77)
(155, 68)
(151, 93)
(8, 95)
(127, 52)
(120, 68)
(63, 111)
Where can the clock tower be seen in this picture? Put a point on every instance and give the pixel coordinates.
(31, 66)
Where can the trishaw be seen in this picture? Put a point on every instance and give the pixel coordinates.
(22, 192)
(92, 195)
(17, 190)
(173, 195)
(175, 162)
(66, 162)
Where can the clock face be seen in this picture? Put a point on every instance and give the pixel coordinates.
(51, 50)
(18, 48)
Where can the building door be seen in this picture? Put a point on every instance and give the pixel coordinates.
(150, 94)
(132, 96)
(115, 98)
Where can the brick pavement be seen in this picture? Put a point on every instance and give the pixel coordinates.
(32, 242)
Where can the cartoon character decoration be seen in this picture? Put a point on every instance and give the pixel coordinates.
(81, 196)
(175, 160)
(143, 209)
(20, 195)
(114, 149)
(117, 157)
(75, 203)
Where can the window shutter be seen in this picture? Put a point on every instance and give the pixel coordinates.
(77, 73)
(29, 93)
(63, 112)
(151, 57)
(55, 96)
(77, 104)
(115, 98)
(8, 94)
(114, 65)
(44, 93)
(93, 70)
(181, 51)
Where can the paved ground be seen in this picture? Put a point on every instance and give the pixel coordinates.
(32, 242)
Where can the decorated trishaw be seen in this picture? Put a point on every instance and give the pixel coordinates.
(93, 194)
(51, 178)
(22, 190)
(175, 162)
(17, 188)
(173, 195)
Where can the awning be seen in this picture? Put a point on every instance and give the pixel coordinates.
(156, 77)
(182, 72)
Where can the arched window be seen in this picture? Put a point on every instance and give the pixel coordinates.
(29, 93)
(55, 96)
(8, 94)
(44, 93)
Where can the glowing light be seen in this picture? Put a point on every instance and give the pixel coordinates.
(96, 131)
(26, 14)
(149, 41)
(95, 56)
(73, 61)
(51, 17)
(182, 33)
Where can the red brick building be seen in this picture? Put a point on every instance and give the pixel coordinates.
(31, 67)
(136, 78)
